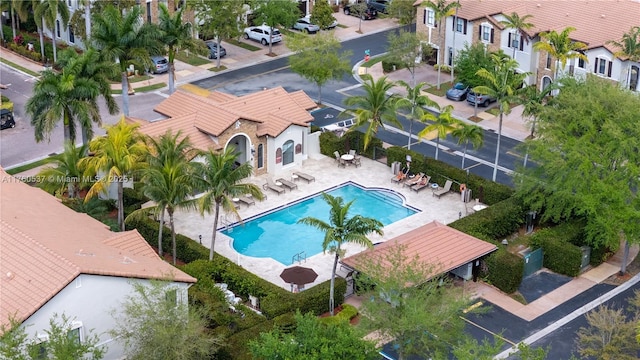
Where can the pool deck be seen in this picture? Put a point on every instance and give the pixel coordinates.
(446, 209)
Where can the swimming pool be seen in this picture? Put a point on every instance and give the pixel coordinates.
(277, 234)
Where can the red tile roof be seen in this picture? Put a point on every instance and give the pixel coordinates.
(44, 245)
(437, 245)
(596, 21)
(187, 124)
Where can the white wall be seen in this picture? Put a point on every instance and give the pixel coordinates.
(297, 134)
(90, 300)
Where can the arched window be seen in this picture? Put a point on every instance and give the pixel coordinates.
(260, 156)
(287, 152)
(546, 81)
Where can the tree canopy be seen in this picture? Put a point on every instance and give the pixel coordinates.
(404, 48)
(587, 156)
(468, 61)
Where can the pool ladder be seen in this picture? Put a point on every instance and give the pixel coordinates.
(299, 257)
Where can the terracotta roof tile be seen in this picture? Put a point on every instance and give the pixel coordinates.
(596, 21)
(60, 245)
(220, 97)
(184, 123)
(435, 244)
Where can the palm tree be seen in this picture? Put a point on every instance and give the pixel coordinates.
(629, 47)
(169, 180)
(66, 174)
(468, 133)
(415, 100)
(221, 182)
(63, 96)
(342, 230)
(533, 101)
(125, 40)
(519, 25)
(176, 35)
(50, 11)
(503, 84)
(441, 10)
(375, 108)
(561, 47)
(442, 125)
(115, 157)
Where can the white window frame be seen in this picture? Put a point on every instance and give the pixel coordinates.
(515, 41)
(77, 325)
(430, 18)
(486, 33)
(602, 64)
(459, 25)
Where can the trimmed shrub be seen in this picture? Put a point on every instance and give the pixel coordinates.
(330, 142)
(389, 65)
(560, 255)
(348, 312)
(493, 223)
(505, 270)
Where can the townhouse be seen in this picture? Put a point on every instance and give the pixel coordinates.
(596, 23)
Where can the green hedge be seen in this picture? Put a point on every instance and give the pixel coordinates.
(560, 255)
(352, 140)
(486, 190)
(505, 270)
(348, 312)
(389, 65)
(493, 223)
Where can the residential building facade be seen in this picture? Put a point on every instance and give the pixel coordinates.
(596, 23)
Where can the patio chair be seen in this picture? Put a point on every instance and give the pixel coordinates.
(422, 184)
(247, 200)
(270, 185)
(356, 161)
(444, 190)
(337, 155)
(412, 181)
(287, 184)
(304, 176)
(342, 163)
(352, 152)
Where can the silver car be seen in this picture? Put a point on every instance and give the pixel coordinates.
(304, 24)
(160, 64)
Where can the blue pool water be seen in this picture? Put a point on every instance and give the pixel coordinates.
(278, 235)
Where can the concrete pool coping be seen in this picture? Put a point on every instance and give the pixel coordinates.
(446, 209)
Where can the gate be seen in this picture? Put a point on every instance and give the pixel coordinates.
(532, 261)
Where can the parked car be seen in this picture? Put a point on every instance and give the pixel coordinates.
(370, 14)
(213, 49)
(6, 119)
(261, 34)
(380, 5)
(304, 24)
(458, 92)
(483, 100)
(333, 24)
(160, 64)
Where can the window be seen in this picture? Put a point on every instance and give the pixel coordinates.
(430, 18)
(171, 296)
(515, 41)
(72, 38)
(260, 156)
(287, 152)
(460, 25)
(603, 67)
(581, 63)
(548, 64)
(58, 28)
(485, 33)
(38, 349)
(148, 12)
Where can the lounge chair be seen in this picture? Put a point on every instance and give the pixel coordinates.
(247, 199)
(412, 181)
(288, 184)
(444, 190)
(270, 185)
(304, 176)
(422, 184)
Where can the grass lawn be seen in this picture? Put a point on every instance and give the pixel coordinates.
(192, 59)
(26, 167)
(243, 45)
(135, 79)
(342, 26)
(216, 69)
(373, 61)
(443, 89)
(493, 111)
(143, 88)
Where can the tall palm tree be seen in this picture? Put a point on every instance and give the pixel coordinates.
(63, 96)
(468, 134)
(375, 108)
(50, 11)
(127, 40)
(169, 180)
(176, 35)
(629, 47)
(442, 125)
(519, 25)
(90, 65)
(342, 229)
(561, 47)
(441, 10)
(415, 101)
(221, 182)
(115, 157)
(533, 100)
(66, 173)
(505, 85)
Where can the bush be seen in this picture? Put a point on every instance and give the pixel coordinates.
(348, 312)
(390, 65)
(560, 255)
(443, 68)
(505, 270)
(33, 55)
(493, 223)
(330, 142)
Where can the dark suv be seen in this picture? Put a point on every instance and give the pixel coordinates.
(6, 119)
(369, 14)
(380, 5)
(213, 50)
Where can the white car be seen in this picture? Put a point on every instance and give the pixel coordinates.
(261, 34)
